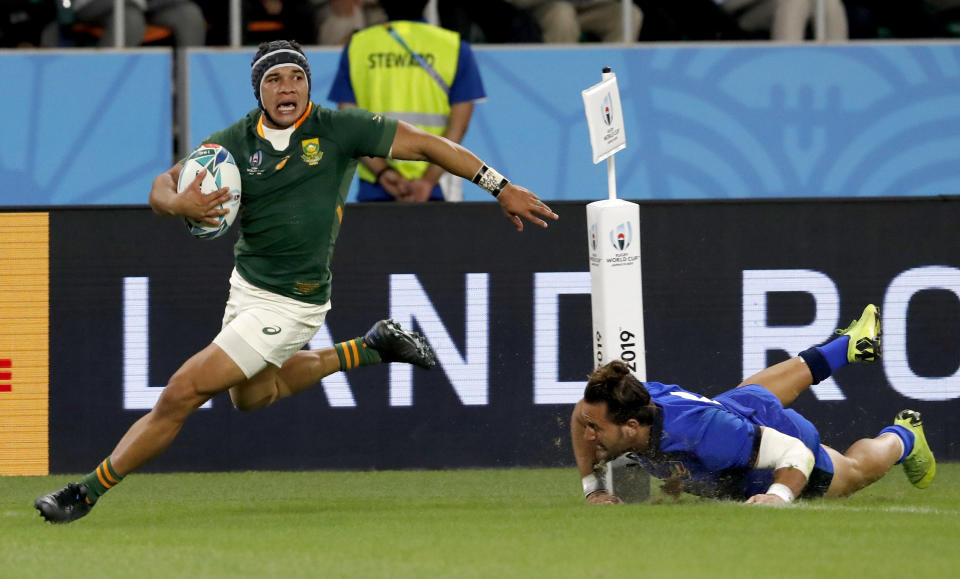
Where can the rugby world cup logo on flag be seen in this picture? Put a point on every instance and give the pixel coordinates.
(621, 236)
(606, 109)
(593, 237)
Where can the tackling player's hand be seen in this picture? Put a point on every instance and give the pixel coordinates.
(194, 204)
(765, 499)
(516, 202)
(603, 498)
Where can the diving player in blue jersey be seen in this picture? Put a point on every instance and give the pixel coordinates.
(743, 444)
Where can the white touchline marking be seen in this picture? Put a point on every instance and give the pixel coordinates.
(888, 509)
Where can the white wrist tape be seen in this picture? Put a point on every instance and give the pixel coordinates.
(488, 179)
(778, 450)
(591, 484)
(782, 491)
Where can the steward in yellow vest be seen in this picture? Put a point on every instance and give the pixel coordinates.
(415, 72)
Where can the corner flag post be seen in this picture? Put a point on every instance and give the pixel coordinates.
(613, 229)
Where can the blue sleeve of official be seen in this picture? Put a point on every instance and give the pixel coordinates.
(726, 441)
(341, 91)
(467, 84)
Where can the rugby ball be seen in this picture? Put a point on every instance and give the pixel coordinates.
(222, 172)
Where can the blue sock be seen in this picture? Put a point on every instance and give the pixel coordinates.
(905, 435)
(823, 360)
(836, 352)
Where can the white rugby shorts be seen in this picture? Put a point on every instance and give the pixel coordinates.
(261, 327)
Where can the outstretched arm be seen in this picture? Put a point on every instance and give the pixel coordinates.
(164, 199)
(413, 144)
(585, 453)
(792, 462)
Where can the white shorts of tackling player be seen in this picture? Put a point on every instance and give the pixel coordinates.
(260, 327)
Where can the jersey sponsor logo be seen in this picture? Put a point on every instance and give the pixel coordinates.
(254, 161)
(311, 151)
(271, 330)
(306, 288)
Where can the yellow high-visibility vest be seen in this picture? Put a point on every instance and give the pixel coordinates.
(387, 79)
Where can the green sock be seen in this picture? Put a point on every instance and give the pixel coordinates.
(102, 479)
(355, 353)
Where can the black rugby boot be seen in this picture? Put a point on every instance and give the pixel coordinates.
(394, 344)
(65, 505)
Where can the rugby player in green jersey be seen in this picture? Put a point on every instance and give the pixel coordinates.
(296, 161)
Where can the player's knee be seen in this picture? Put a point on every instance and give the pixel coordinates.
(179, 399)
(249, 403)
(254, 395)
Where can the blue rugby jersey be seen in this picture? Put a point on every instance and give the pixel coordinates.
(710, 444)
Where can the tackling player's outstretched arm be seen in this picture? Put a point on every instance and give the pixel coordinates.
(164, 199)
(792, 462)
(413, 144)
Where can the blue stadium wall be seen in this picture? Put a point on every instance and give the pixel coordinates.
(729, 287)
(703, 121)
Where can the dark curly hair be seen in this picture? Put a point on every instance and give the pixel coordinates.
(626, 397)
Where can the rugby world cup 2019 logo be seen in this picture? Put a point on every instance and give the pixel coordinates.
(606, 109)
(593, 237)
(621, 236)
(254, 163)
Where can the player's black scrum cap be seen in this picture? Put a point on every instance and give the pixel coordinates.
(273, 54)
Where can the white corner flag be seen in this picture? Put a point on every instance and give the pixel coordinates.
(616, 285)
(605, 118)
(613, 237)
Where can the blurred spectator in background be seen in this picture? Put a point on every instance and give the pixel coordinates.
(183, 17)
(947, 13)
(94, 18)
(418, 73)
(569, 21)
(22, 21)
(338, 19)
(687, 20)
(787, 20)
(493, 21)
(266, 20)
(897, 18)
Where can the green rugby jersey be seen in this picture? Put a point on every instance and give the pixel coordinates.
(292, 200)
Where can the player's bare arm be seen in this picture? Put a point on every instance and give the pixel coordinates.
(516, 202)
(585, 453)
(164, 199)
(455, 130)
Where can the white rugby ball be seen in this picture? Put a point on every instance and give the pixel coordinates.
(222, 172)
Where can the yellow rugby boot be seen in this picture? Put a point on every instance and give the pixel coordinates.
(919, 466)
(864, 345)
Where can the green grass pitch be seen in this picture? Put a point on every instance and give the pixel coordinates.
(470, 523)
